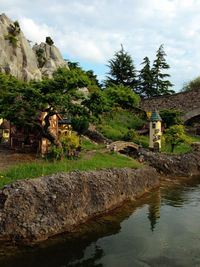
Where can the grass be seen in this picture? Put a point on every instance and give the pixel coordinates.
(87, 145)
(36, 169)
(182, 148)
(117, 124)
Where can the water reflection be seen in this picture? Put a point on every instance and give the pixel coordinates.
(154, 209)
(167, 218)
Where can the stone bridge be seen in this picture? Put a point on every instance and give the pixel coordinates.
(121, 145)
(188, 102)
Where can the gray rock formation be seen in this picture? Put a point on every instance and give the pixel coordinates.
(20, 60)
(52, 59)
(185, 165)
(34, 209)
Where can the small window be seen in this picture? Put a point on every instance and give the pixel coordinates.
(153, 125)
(159, 137)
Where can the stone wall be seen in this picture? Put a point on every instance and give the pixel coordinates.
(34, 209)
(188, 102)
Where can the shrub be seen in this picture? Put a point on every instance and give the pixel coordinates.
(131, 136)
(49, 41)
(80, 125)
(70, 142)
(54, 153)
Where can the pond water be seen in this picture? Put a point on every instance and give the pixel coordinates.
(162, 229)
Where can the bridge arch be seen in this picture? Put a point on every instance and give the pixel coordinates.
(191, 114)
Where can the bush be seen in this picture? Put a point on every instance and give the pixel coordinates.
(80, 125)
(49, 41)
(54, 153)
(70, 142)
(131, 136)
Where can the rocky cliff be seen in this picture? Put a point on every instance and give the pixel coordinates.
(18, 58)
(185, 165)
(32, 210)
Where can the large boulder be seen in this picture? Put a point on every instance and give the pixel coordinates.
(21, 60)
(52, 59)
(34, 209)
(18, 60)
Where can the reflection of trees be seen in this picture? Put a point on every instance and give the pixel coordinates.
(177, 196)
(154, 209)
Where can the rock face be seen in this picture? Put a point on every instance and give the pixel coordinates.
(20, 59)
(32, 210)
(174, 165)
(52, 59)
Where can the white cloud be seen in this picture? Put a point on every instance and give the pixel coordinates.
(92, 30)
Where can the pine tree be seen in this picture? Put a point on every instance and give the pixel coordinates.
(161, 85)
(122, 70)
(146, 81)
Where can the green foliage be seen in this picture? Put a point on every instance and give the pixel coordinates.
(54, 153)
(118, 122)
(131, 136)
(22, 103)
(14, 30)
(146, 80)
(122, 95)
(161, 85)
(70, 142)
(80, 125)
(93, 81)
(40, 57)
(171, 117)
(49, 41)
(37, 169)
(12, 39)
(193, 84)
(97, 103)
(87, 145)
(122, 70)
(175, 135)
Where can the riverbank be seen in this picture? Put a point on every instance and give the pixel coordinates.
(35, 209)
(32, 210)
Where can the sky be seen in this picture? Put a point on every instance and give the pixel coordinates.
(91, 31)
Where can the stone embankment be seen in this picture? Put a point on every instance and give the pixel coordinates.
(32, 210)
(186, 165)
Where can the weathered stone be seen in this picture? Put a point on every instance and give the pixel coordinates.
(21, 61)
(186, 165)
(188, 102)
(52, 59)
(97, 137)
(34, 209)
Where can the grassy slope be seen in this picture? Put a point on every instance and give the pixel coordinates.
(36, 169)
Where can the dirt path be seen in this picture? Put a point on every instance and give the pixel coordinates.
(9, 158)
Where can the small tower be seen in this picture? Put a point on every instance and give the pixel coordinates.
(155, 131)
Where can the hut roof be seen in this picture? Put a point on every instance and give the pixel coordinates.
(5, 125)
(155, 116)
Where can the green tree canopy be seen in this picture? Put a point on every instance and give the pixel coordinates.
(193, 84)
(146, 80)
(122, 70)
(122, 95)
(175, 135)
(161, 84)
(23, 103)
(97, 103)
(171, 117)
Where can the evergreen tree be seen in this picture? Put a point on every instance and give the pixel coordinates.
(146, 81)
(161, 85)
(122, 70)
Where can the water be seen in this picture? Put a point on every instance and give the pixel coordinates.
(162, 229)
